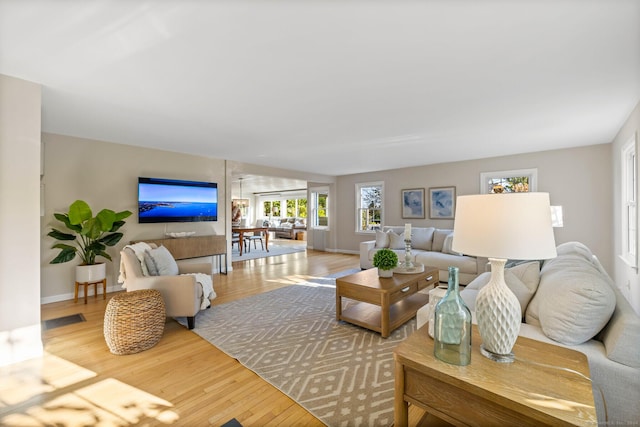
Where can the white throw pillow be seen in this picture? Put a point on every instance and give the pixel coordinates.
(396, 241)
(573, 302)
(421, 238)
(438, 239)
(382, 239)
(522, 280)
(446, 246)
(165, 264)
(470, 292)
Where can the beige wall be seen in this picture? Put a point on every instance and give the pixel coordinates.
(579, 179)
(626, 277)
(106, 176)
(20, 104)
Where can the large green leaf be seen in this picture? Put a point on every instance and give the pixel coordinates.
(111, 239)
(65, 255)
(105, 218)
(117, 225)
(95, 246)
(64, 247)
(104, 254)
(122, 215)
(64, 218)
(59, 235)
(79, 212)
(91, 229)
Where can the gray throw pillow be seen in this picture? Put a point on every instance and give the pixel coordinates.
(421, 238)
(164, 261)
(150, 263)
(438, 239)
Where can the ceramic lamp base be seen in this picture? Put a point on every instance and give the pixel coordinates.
(500, 358)
(498, 313)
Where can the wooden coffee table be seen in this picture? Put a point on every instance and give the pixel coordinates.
(537, 389)
(383, 304)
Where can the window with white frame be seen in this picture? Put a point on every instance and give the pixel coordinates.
(320, 208)
(629, 194)
(369, 206)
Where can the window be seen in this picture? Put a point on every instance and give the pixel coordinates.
(369, 206)
(297, 208)
(629, 204)
(515, 181)
(319, 208)
(271, 208)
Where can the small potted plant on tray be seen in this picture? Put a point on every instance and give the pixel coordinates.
(386, 260)
(89, 238)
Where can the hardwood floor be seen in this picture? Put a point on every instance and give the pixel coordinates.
(183, 380)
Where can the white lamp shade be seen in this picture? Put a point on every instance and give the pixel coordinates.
(507, 226)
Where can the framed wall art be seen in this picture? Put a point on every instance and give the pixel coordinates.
(442, 202)
(413, 203)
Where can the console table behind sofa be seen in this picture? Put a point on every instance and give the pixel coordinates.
(195, 247)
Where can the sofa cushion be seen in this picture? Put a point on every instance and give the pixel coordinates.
(421, 238)
(446, 246)
(442, 262)
(438, 239)
(165, 263)
(396, 241)
(382, 239)
(573, 302)
(522, 280)
(621, 337)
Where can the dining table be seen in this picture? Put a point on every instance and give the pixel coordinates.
(253, 229)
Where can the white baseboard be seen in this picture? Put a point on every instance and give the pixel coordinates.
(69, 296)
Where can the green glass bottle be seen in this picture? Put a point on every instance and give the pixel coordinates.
(452, 332)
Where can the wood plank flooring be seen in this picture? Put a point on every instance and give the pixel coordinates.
(183, 380)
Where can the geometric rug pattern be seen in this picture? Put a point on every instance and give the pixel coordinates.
(341, 373)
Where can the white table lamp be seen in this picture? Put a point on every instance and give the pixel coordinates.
(499, 227)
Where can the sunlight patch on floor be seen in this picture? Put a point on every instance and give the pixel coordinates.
(47, 391)
(25, 380)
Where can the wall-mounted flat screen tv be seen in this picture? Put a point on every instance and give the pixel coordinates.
(172, 200)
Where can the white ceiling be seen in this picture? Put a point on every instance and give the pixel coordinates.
(331, 87)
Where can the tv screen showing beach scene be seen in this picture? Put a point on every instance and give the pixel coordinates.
(172, 200)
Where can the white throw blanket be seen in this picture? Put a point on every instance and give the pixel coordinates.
(139, 249)
(207, 289)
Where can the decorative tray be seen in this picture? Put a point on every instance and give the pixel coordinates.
(417, 268)
(179, 234)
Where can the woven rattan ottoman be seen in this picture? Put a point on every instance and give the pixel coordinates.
(134, 321)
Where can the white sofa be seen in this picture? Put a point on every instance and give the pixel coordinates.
(572, 302)
(429, 246)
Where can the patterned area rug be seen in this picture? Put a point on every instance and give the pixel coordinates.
(343, 374)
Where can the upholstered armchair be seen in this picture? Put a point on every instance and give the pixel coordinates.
(182, 294)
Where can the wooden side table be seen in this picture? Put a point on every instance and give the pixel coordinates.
(95, 289)
(545, 385)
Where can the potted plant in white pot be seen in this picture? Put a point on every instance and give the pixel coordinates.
(89, 238)
(386, 260)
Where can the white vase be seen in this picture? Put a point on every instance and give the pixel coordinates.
(385, 273)
(91, 273)
(499, 316)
